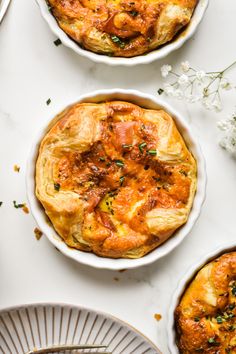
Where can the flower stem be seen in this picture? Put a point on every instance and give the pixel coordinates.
(228, 67)
(223, 71)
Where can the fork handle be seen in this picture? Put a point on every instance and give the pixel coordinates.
(64, 347)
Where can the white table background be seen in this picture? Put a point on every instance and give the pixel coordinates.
(33, 69)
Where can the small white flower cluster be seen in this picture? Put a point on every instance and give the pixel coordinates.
(195, 85)
(228, 126)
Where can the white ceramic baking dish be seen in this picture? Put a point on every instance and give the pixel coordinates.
(146, 101)
(184, 282)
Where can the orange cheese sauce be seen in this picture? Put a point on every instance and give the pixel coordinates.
(121, 171)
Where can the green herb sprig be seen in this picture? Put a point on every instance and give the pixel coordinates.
(17, 206)
(118, 41)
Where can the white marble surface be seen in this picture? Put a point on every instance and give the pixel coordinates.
(32, 69)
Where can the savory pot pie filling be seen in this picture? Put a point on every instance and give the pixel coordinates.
(119, 27)
(206, 315)
(114, 178)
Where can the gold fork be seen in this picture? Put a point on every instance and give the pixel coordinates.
(64, 347)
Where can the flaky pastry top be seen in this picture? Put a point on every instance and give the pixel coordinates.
(114, 178)
(119, 27)
(206, 315)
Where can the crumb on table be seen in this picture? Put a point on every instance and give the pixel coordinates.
(25, 209)
(16, 168)
(38, 233)
(157, 316)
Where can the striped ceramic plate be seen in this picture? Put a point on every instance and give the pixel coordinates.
(39, 325)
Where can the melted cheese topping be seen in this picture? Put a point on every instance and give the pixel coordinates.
(106, 180)
(119, 27)
(206, 315)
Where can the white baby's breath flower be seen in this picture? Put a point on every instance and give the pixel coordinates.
(207, 104)
(183, 80)
(165, 70)
(169, 90)
(178, 94)
(216, 105)
(223, 125)
(212, 76)
(206, 92)
(228, 142)
(196, 85)
(193, 99)
(185, 66)
(225, 84)
(200, 75)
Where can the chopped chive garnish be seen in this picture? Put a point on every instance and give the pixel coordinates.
(126, 146)
(152, 152)
(1, 204)
(49, 7)
(141, 146)
(48, 101)
(17, 206)
(196, 319)
(134, 13)
(101, 158)
(118, 41)
(234, 290)
(160, 91)
(184, 173)
(122, 179)
(57, 42)
(212, 341)
(219, 319)
(57, 186)
(231, 328)
(119, 163)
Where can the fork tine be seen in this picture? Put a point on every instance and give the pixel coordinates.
(64, 347)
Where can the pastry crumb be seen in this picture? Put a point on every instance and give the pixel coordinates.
(25, 209)
(38, 234)
(157, 316)
(116, 279)
(16, 168)
(122, 270)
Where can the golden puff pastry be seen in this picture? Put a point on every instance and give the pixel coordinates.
(120, 27)
(114, 178)
(205, 317)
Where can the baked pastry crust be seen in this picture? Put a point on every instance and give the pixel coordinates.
(114, 178)
(119, 27)
(205, 317)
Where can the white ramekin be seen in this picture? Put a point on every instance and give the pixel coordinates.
(146, 101)
(159, 53)
(182, 285)
(3, 8)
